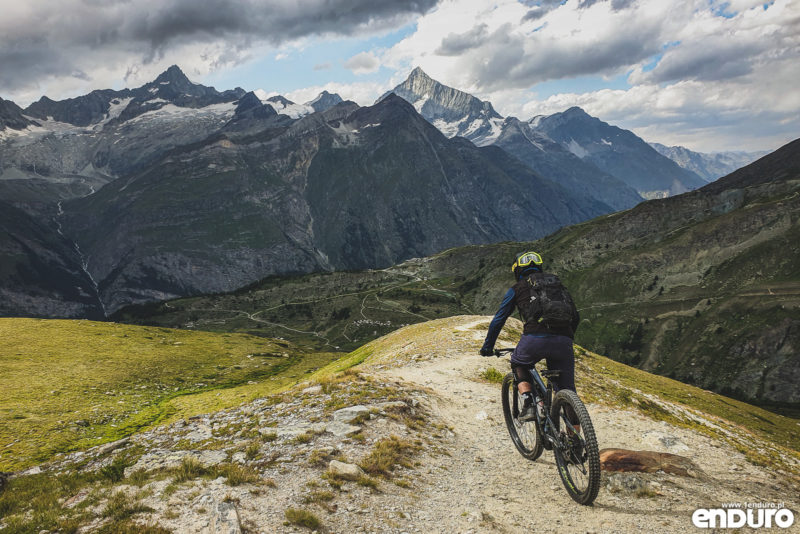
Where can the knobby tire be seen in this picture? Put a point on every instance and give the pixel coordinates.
(580, 475)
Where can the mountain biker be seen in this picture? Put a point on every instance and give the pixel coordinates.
(550, 318)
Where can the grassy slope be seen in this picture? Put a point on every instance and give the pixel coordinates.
(71, 384)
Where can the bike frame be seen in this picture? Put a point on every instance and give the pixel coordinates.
(545, 392)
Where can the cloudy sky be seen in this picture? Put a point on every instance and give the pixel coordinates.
(706, 74)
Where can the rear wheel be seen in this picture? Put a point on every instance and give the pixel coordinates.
(577, 456)
(526, 436)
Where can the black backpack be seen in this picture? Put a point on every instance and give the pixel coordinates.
(549, 302)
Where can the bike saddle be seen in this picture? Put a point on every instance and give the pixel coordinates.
(548, 373)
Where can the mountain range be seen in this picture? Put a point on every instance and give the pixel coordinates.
(194, 190)
(174, 188)
(581, 152)
(708, 166)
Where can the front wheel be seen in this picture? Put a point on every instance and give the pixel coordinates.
(526, 436)
(577, 456)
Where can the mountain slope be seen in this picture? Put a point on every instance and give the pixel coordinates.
(456, 113)
(77, 145)
(283, 201)
(453, 112)
(618, 152)
(40, 272)
(11, 116)
(551, 160)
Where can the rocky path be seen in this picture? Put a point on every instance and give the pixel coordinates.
(486, 485)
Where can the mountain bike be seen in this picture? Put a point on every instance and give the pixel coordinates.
(554, 428)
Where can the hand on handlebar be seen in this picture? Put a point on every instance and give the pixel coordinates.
(487, 352)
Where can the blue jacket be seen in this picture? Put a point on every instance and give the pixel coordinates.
(506, 309)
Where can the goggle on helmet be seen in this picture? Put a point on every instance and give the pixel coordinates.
(526, 260)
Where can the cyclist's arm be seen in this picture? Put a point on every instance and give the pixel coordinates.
(505, 311)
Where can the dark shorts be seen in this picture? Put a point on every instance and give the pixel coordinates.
(556, 350)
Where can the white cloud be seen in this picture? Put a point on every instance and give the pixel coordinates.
(714, 81)
(363, 63)
(55, 44)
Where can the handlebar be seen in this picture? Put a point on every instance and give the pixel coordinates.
(500, 352)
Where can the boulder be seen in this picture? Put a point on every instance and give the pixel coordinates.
(225, 519)
(312, 390)
(626, 483)
(114, 445)
(647, 462)
(341, 430)
(350, 414)
(662, 440)
(343, 470)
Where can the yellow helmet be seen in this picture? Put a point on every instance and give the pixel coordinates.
(526, 260)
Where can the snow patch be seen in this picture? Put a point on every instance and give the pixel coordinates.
(496, 128)
(577, 149)
(535, 121)
(421, 102)
(449, 129)
(33, 133)
(171, 112)
(473, 127)
(295, 111)
(606, 142)
(153, 90)
(115, 109)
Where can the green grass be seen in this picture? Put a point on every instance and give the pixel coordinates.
(69, 385)
(492, 375)
(122, 506)
(302, 518)
(387, 454)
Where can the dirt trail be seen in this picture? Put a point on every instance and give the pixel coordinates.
(486, 485)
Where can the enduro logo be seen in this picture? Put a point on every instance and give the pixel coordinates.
(738, 515)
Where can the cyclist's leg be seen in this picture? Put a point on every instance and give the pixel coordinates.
(524, 377)
(523, 359)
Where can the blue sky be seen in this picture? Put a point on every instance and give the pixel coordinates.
(316, 62)
(706, 74)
